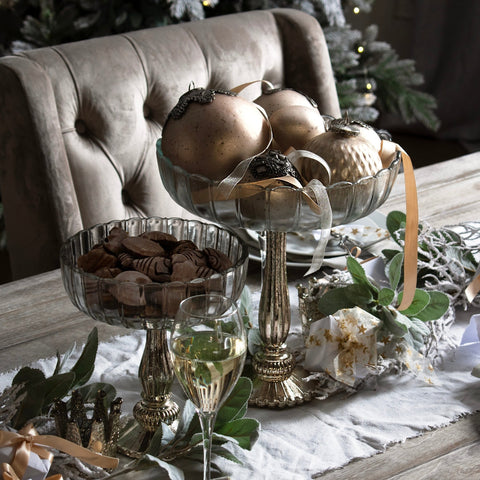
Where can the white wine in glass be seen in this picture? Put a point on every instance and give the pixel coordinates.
(208, 346)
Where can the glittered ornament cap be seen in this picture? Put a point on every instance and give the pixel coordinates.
(271, 164)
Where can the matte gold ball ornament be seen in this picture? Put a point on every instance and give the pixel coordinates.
(295, 126)
(294, 117)
(348, 152)
(210, 131)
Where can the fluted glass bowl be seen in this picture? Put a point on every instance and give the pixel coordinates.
(281, 209)
(148, 305)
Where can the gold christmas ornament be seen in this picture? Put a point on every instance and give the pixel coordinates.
(274, 99)
(295, 126)
(349, 155)
(210, 131)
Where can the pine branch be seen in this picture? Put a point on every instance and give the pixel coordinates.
(395, 94)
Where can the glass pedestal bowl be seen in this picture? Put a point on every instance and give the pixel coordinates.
(273, 212)
(150, 306)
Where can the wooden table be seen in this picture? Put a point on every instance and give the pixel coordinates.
(37, 318)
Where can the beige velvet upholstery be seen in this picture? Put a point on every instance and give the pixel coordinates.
(79, 122)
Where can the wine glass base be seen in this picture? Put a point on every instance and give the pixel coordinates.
(286, 393)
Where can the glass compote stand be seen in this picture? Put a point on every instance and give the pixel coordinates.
(273, 212)
(150, 306)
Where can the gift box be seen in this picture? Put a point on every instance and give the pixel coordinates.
(24, 454)
(37, 468)
(343, 345)
(14, 456)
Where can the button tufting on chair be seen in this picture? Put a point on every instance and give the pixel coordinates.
(80, 127)
(146, 111)
(126, 199)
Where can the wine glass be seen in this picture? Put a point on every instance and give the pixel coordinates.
(208, 346)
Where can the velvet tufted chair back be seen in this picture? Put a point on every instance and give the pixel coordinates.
(79, 122)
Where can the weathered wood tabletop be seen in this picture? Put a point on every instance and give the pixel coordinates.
(37, 319)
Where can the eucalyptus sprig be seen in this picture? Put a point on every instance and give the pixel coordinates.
(40, 392)
(382, 302)
(186, 442)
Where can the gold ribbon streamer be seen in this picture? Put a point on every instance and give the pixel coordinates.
(27, 440)
(410, 258)
(473, 288)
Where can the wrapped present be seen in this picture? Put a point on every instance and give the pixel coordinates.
(36, 469)
(24, 454)
(22, 460)
(343, 345)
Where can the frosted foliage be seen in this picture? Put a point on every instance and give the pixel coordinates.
(333, 12)
(192, 9)
(446, 268)
(443, 258)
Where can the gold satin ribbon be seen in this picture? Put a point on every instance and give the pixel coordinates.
(27, 440)
(410, 258)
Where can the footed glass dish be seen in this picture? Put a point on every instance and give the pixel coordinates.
(282, 208)
(273, 211)
(151, 306)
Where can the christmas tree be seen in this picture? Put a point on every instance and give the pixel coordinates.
(370, 77)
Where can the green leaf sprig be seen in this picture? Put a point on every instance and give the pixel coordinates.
(40, 391)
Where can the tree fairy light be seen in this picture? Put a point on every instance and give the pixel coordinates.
(356, 10)
(360, 49)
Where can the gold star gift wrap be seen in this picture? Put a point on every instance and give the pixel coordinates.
(343, 345)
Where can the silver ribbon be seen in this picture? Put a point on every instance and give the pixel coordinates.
(318, 193)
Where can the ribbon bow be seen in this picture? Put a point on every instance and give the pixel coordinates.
(27, 440)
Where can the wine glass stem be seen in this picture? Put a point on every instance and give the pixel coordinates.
(207, 422)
